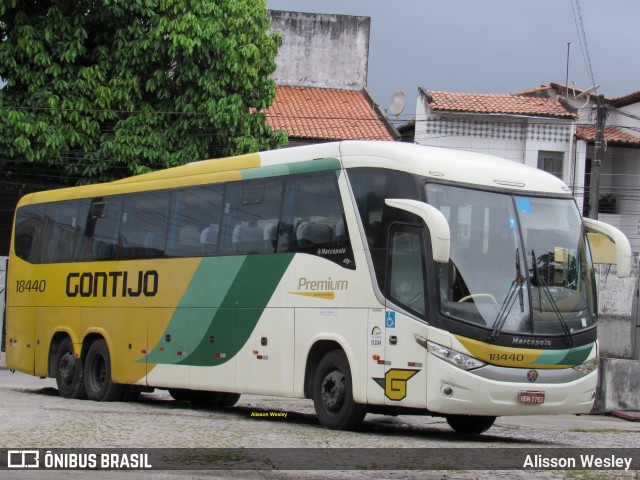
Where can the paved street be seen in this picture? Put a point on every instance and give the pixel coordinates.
(34, 416)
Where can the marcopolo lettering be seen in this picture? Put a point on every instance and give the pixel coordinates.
(531, 342)
(113, 284)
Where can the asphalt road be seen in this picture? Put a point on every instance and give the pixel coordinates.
(35, 416)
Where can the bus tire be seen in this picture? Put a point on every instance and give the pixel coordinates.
(97, 374)
(130, 393)
(205, 399)
(470, 424)
(333, 393)
(69, 371)
(180, 394)
(228, 400)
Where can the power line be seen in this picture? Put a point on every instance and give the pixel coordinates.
(582, 37)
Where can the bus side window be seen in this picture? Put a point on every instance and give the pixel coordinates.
(371, 186)
(28, 233)
(63, 220)
(251, 220)
(406, 268)
(313, 219)
(103, 227)
(144, 222)
(194, 221)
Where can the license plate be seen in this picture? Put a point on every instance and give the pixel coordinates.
(531, 397)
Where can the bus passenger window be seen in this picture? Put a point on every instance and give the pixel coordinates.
(144, 223)
(103, 228)
(63, 219)
(252, 211)
(371, 187)
(313, 219)
(194, 221)
(28, 231)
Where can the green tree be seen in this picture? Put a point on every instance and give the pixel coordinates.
(101, 89)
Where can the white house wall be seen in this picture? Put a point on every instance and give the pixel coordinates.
(504, 140)
(548, 136)
(620, 120)
(518, 139)
(625, 185)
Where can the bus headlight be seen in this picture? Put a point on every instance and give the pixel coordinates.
(588, 366)
(458, 359)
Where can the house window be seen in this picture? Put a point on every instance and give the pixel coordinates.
(551, 162)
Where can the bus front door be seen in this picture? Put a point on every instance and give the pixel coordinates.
(405, 374)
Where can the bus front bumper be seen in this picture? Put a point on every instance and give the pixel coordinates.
(451, 390)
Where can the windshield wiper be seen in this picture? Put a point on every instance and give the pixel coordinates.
(509, 300)
(540, 282)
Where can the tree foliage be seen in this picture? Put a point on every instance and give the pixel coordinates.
(98, 89)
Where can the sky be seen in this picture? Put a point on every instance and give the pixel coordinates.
(492, 46)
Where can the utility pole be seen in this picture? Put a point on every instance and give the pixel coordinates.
(601, 117)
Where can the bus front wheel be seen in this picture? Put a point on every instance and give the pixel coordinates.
(333, 393)
(97, 374)
(471, 424)
(69, 371)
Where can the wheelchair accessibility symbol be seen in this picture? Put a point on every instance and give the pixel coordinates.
(390, 320)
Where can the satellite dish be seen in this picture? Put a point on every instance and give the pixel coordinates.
(398, 101)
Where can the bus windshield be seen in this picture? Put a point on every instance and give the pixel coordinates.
(518, 265)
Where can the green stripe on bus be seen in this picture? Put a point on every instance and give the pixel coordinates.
(578, 355)
(208, 288)
(314, 166)
(231, 327)
(572, 356)
(310, 166)
(207, 327)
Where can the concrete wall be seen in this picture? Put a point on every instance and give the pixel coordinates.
(615, 306)
(322, 50)
(618, 385)
(619, 338)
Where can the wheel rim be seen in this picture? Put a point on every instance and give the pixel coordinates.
(98, 372)
(66, 368)
(333, 391)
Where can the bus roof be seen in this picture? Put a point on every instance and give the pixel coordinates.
(438, 163)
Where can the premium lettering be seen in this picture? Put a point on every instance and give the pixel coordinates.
(305, 284)
(113, 284)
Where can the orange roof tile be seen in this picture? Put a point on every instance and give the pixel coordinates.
(498, 104)
(326, 114)
(541, 88)
(612, 135)
(630, 99)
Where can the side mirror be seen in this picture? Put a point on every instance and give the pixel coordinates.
(435, 222)
(621, 243)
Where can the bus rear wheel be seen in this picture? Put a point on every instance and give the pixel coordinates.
(333, 393)
(69, 371)
(97, 374)
(470, 424)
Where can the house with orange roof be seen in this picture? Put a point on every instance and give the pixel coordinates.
(314, 115)
(321, 80)
(552, 128)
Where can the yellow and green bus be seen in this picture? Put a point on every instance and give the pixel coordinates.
(367, 276)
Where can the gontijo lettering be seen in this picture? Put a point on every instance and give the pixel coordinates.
(113, 284)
